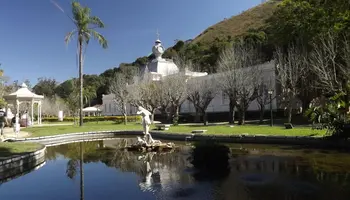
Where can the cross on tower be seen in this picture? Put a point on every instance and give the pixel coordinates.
(157, 35)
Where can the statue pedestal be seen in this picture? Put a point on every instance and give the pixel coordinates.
(147, 144)
(160, 147)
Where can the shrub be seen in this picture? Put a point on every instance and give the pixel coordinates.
(333, 116)
(117, 119)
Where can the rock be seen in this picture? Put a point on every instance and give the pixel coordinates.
(158, 147)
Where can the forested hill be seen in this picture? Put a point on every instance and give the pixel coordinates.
(276, 23)
(252, 19)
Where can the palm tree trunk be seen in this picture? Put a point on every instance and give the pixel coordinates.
(81, 82)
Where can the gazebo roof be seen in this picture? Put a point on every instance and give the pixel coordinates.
(91, 109)
(23, 94)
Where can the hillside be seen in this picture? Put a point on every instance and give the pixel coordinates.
(251, 19)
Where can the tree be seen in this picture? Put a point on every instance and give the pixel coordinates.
(51, 106)
(118, 87)
(325, 63)
(238, 79)
(201, 91)
(46, 87)
(290, 67)
(3, 80)
(148, 93)
(85, 26)
(175, 88)
(330, 61)
(263, 98)
(72, 100)
(89, 93)
(13, 87)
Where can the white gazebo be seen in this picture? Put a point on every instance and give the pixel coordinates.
(22, 95)
(91, 110)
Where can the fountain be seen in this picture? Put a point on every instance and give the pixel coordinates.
(147, 143)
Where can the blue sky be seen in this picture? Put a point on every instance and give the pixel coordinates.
(32, 32)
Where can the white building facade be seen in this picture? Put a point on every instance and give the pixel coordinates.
(160, 67)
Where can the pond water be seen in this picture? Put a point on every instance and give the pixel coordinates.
(98, 170)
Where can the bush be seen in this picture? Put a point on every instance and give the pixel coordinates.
(117, 119)
(333, 116)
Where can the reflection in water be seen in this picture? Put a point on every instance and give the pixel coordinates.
(28, 165)
(205, 171)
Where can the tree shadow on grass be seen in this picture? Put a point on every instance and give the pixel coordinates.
(5, 152)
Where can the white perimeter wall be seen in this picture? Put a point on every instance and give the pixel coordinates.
(219, 104)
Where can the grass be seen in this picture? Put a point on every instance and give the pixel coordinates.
(250, 130)
(214, 130)
(91, 126)
(14, 148)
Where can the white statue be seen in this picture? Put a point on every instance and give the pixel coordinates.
(146, 122)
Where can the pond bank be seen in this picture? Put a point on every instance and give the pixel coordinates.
(19, 158)
(319, 142)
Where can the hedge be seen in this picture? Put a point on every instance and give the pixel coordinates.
(118, 119)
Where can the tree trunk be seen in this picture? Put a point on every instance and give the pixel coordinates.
(197, 116)
(152, 116)
(289, 113)
(81, 82)
(231, 119)
(125, 115)
(205, 119)
(242, 117)
(262, 112)
(81, 172)
(176, 115)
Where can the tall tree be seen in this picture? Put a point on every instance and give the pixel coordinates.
(238, 78)
(118, 87)
(200, 92)
(290, 67)
(45, 86)
(85, 28)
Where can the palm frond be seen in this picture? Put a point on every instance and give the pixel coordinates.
(69, 36)
(77, 12)
(96, 21)
(86, 37)
(101, 39)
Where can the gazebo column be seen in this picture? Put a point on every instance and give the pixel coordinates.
(17, 113)
(38, 111)
(17, 107)
(40, 114)
(32, 112)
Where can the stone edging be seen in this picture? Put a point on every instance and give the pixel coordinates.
(15, 164)
(253, 139)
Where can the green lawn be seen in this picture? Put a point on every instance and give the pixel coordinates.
(218, 129)
(250, 130)
(13, 148)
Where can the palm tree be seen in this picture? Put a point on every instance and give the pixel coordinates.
(85, 26)
(89, 93)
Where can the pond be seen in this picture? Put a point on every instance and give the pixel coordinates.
(98, 170)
